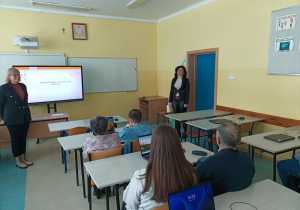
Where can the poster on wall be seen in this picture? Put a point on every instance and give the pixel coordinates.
(285, 44)
(286, 22)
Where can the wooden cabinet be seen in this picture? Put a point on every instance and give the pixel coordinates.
(151, 105)
(38, 128)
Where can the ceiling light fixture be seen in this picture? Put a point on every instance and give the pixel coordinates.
(62, 6)
(134, 3)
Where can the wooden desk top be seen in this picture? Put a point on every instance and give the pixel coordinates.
(45, 117)
(151, 98)
(263, 195)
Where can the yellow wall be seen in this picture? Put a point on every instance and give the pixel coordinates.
(106, 38)
(240, 29)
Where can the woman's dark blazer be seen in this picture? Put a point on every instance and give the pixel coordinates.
(13, 110)
(184, 90)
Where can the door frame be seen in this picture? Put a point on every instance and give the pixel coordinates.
(191, 64)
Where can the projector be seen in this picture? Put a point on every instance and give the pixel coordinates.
(29, 43)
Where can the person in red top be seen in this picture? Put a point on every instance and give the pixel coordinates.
(15, 112)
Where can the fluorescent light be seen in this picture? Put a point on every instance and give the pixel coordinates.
(61, 6)
(134, 3)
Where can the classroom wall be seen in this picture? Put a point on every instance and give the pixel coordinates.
(106, 38)
(240, 29)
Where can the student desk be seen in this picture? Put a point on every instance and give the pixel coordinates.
(38, 128)
(182, 117)
(272, 147)
(76, 143)
(263, 195)
(120, 169)
(210, 127)
(64, 126)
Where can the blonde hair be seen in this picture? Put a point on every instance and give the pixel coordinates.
(11, 71)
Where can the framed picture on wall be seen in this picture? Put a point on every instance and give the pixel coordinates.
(79, 31)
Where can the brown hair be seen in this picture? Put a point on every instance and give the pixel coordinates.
(167, 168)
(11, 71)
(135, 115)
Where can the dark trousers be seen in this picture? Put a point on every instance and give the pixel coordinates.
(286, 168)
(18, 134)
(178, 107)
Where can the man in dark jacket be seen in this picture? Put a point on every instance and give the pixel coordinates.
(228, 170)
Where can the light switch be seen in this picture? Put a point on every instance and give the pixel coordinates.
(232, 77)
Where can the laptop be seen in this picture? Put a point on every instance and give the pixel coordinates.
(111, 125)
(219, 121)
(144, 142)
(195, 198)
(279, 137)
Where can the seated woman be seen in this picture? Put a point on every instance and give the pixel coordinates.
(289, 167)
(100, 141)
(167, 170)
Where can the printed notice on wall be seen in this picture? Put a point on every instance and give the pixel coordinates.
(286, 22)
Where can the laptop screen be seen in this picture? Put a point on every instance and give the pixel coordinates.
(198, 197)
(145, 142)
(111, 125)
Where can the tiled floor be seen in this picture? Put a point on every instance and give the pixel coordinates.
(48, 187)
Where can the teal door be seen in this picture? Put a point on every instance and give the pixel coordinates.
(205, 85)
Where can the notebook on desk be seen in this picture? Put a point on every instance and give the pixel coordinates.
(198, 197)
(279, 137)
(219, 121)
(144, 142)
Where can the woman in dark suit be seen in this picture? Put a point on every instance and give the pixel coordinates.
(15, 112)
(179, 93)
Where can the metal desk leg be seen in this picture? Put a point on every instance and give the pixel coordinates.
(274, 167)
(198, 137)
(107, 197)
(253, 148)
(184, 129)
(76, 166)
(65, 160)
(117, 196)
(82, 173)
(211, 141)
(191, 135)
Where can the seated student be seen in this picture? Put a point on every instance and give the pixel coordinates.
(100, 141)
(228, 170)
(290, 166)
(133, 129)
(167, 171)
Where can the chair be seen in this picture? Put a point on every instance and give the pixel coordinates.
(164, 114)
(214, 141)
(163, 207)
(294, 183)
(247, 128)
(97, 155)
(134, 146)
(194, 135)
(72, 132)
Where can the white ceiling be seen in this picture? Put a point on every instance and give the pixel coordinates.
(150, 11)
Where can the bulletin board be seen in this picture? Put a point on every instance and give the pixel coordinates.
(107, 74)
(284, 45)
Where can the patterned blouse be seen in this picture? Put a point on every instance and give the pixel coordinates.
(101, 143)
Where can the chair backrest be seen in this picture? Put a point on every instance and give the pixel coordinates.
(134, 146)
(163, 207)
(246, 128)
(76, 131)
(97, 155)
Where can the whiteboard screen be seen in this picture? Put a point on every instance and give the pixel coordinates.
(107, 74)
(7, 60)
